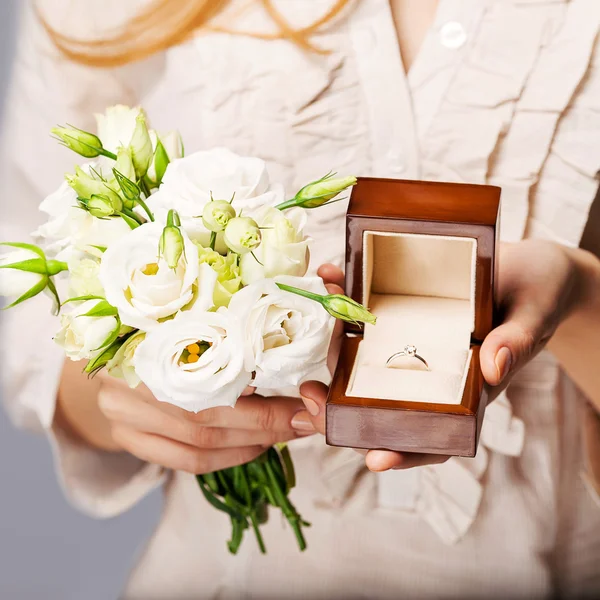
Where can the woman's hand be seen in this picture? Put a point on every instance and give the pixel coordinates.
(540, 284)
(210, 440)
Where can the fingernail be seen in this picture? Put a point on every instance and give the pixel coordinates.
(311, 406)
(503, 363)
(302, 423)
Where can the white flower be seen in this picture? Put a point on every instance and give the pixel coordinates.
(140, 284)
(286, 336)
(122, 364)
(215, 377)
(116, 126)
(83, 337)
(14, 282)
(188, 183)
(84, 272)
(284, 248)
(71, 227)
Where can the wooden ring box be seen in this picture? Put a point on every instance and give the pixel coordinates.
(421, 256)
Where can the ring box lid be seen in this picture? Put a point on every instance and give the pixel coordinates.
(455, 210)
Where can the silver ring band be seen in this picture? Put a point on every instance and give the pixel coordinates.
(409, 351)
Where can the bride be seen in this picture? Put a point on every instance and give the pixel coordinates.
(501, 92)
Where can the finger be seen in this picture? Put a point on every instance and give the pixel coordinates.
(314, 396)
(384, 460)
(522, 336)
(331, 274)
(130, 411)
(250, 412)
(249, 391)
(181, 457)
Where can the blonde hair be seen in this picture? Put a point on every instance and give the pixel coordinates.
(166, 23)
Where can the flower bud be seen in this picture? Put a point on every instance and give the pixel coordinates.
(337, 305)
(86, 186)
(170, 245)
(100, 206)
(319, 192)
(242, 235)
(25, 272)
(82, 142)
(229, 280)
(141, 146)
(124, 163)
(346, 309)
(122, 364)
(217, 214)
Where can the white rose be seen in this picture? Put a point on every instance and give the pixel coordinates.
(188, 183)
(284, 248)
(14, 282)
(122, 364)
(116, 126)
(83, 337)
(216, 377)
(71, 227)
(142, 286)
(84, 275)
(286, 336)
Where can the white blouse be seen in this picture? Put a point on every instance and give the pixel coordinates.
(504, 92)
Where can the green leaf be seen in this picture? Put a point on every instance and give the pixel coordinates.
(32, 265)
(100, 361)
(54, 292)
(288, 465)
(34, 291)
(83, 299)
(161, 161)
(24, 246)
(102, 309)
(133, 224)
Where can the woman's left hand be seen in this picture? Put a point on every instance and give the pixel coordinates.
(539, 284)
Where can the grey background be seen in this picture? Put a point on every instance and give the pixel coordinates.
(48, 551)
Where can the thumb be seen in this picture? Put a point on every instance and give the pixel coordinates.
(513, 343)
(314, 396)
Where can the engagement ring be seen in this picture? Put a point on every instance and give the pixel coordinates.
(409, 351)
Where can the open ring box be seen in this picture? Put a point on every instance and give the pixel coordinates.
(421, 256)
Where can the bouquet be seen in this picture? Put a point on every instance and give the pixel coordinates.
(186, 273)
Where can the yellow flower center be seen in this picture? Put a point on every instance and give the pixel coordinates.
(150, 269)
(192, 353)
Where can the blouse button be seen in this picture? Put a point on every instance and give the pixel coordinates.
(453, 35)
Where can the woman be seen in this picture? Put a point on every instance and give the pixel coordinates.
(501, 91)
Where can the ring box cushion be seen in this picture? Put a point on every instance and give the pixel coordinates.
(431, 286)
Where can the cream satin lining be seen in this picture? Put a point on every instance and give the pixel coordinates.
(422, 290)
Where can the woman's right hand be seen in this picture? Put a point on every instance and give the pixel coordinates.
(160, 433)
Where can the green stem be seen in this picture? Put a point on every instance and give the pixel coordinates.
(288, 288)
(213, 239)
(143, 204)
(251, 509)
(286, 506)
(145, 188)
(107, 153)
(287, 204)
(132, 215)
